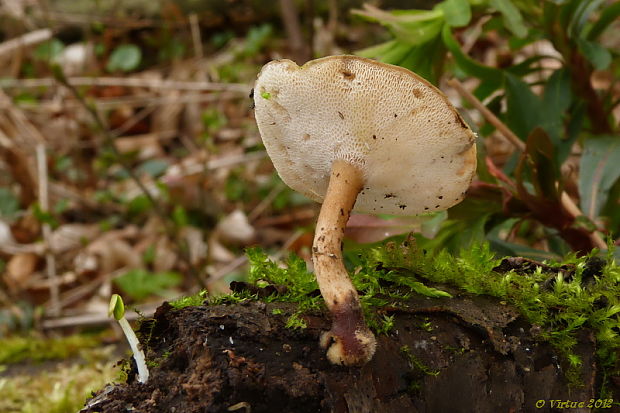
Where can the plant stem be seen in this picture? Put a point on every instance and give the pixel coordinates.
(138, 354)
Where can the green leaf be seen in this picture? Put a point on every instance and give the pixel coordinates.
(598, 172)
(422, 289)
(378, 50)
(580, 16)
(139, 283)
(573, 129)
(116, 307)
(456, 12)
(153, 167)
(124, 58)
(397, 54)
(179, 216)
(544, 169)
(9, 204)
(524, 110)
(139, 205)
(148, 257)
(48, 50)
(556, 101)
(512, 16)
(491, 77)
(596, 54)
(410, 26)
(44, 217)
(418, 33)
(607, 17)
(424, 59)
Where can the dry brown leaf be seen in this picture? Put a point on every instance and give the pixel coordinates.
(195, 243)
(107, 253)
(6, 237)
(235, 229)
(71, 236)
(147, 145)
(217, 252)
(229, 134)
(19, 270)
(165, 255)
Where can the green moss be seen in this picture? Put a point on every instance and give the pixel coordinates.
(561, 302)
(266, 95)
(415, 363)
(192, 300)
(37, 348)
(61, 387)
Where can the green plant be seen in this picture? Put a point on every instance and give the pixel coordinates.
(139, 283)
(540, 90)
(124, 58)
(117, 310)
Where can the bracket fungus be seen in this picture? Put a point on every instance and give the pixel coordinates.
(358, 134)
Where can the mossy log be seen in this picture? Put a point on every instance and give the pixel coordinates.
(460, 354)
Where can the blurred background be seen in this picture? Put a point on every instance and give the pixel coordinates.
(130, 162)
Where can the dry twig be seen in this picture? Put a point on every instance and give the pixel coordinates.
(129, 82)
(26, 40)
(50, 259)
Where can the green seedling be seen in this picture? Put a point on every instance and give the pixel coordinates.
(117, 310)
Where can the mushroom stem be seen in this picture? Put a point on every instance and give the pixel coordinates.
(350, 341)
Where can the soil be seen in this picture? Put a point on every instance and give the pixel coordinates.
(460, 354)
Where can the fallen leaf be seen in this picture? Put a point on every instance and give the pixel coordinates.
(19, 271)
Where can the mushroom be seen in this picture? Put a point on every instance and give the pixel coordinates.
(352, 133)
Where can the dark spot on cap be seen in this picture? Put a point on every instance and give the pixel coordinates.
(341, 212)
(348, 75)
(436, 206)
(389, 196)
(402, 206)
(440, 197)
(252, 94)
(395, 115)
(341, 115)
(426, 208)
(374, 136)
(417, 93)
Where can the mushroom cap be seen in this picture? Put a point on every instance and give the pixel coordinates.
(414, 149)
